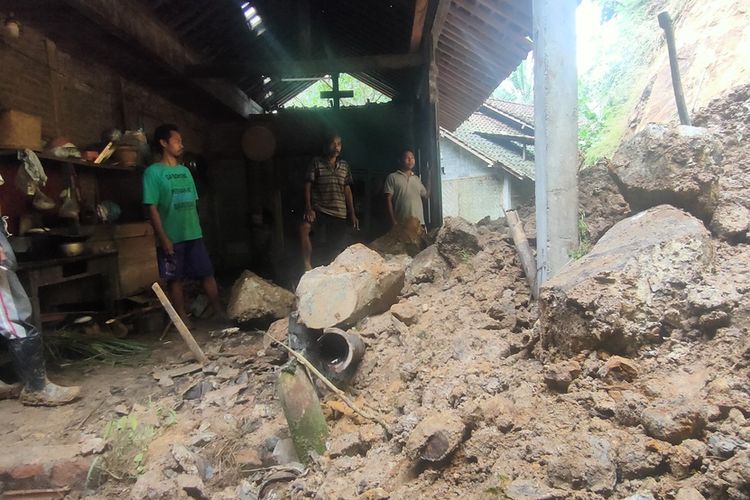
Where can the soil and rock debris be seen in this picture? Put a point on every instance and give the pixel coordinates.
(630, 378)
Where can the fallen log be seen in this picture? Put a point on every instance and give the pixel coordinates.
(307, 424)
(528, 261)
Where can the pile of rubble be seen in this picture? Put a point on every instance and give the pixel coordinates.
(628, 378)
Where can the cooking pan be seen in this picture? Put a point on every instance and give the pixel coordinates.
(71, 235)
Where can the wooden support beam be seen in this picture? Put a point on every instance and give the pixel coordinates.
(418, 23)
(465, 22)
(307, 68)
(469, 58)
(304, 15)
(441, 15)
(451, 67)
(128, 21)
(556, 131)
(469, 39)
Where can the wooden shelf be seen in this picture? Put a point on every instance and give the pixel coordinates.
(72, 161)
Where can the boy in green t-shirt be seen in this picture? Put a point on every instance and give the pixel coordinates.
(169, 194)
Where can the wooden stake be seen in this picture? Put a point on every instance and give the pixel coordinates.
(180, 325)
(528, 262)
(302, 360)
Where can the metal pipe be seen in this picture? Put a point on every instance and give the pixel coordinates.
(340, 350)
(665, 21)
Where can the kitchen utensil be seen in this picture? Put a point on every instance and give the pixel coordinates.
(106, 153)
(90, 155)
(42, 202)
(72, 249)
(126, 156)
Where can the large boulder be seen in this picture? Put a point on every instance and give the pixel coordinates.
(457, 240)
(600, 201)
(255, 299)
(675, 165)
(358, 283)
(615, 297)
(729, 116)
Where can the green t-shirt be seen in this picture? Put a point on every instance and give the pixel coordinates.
(172, 191)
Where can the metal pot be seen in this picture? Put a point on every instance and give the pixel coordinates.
(72, 249)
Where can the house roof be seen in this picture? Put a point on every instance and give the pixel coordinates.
(491, 138)
(480, 42)
(523, 113)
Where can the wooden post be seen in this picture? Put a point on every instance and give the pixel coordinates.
(336, 96)
(180, 325)
(528, 262)
(556, 131)
(665, 21)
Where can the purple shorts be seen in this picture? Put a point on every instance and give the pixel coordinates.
(190, 261)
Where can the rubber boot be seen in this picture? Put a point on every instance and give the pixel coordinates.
(9, 391)
(28, 360)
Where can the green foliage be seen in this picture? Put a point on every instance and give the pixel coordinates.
(127, 440)
(363, 94)
(584, 239)
(609, 90)
(519, 86)
(65, 346)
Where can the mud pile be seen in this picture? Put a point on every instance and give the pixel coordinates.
(460, 365)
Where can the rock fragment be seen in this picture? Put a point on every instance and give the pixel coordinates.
(253, 298)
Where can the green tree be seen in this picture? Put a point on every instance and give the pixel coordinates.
(363, 94)
(519, 86)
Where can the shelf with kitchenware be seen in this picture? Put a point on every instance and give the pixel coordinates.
(47, 157)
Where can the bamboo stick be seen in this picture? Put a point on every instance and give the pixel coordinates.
(180, 325)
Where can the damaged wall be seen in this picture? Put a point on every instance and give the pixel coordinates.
(78, 98)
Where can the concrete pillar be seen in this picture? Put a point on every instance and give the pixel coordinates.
(556, 134)
(507, 195)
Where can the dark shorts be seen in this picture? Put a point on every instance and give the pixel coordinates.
(190, 261)
(329, 229)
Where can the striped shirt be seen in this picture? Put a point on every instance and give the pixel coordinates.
(328, 186)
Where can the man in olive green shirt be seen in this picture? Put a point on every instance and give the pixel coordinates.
(404, 192)
(169, 193)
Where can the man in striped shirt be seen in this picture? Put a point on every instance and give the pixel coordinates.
(328, 200)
